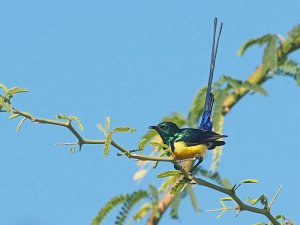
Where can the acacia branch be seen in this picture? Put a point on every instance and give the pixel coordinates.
(82, 141)
(167, 199)
(241, 206)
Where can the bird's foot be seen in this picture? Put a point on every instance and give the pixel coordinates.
(200, 160)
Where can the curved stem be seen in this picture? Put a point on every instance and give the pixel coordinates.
(83, 141)
(238, 201)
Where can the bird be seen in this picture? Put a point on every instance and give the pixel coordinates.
(187, 143)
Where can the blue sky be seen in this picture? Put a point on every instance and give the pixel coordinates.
(136, 61)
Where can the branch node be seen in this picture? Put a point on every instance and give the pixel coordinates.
(69, 123)
(239, 210)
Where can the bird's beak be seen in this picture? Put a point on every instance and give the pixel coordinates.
(153, 127)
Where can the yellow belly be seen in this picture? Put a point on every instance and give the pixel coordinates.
(187, 152)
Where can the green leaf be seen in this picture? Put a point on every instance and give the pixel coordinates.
(77, 121)
(62, 117)
(155, 198)
(101, 128)
(142, 212)
(224, 199)
(262, 199)
(294, 33)
(253, 201)
(169, 173)
(283, 220)
(167, 183)
(149, 136)
(107, 123)
(165, 152)
(221, 214)
(14, 116)
(178, 187)
(131, 201)
(72, 150)
(20, 124)
(237, 84)
(234, 83)
(193, 198)
(218, 121)
(215, 176)
(260, 41)
(156, 144)
(2, 102)
(4, 88)
(138, 176)
(124, 129)
(142, 144)
(196, 109)
(226, 183)
(217, 116)
(255, 88)
(5, 104)
(249, 181)
(270, 55)
(154, 194)
(175, 205)
(290, 68)
(110, 205)
(107, 143)
(16, 90)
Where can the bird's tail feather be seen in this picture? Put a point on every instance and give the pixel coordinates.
(216, 144)
(206, 123)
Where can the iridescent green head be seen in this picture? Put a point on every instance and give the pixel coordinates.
(166, 130)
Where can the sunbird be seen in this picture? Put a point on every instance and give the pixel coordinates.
(188, 143)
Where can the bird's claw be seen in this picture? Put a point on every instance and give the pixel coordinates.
(200, 160)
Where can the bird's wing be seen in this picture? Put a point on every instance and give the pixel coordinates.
(197, 136)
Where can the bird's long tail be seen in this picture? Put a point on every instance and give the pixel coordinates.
(206, 123)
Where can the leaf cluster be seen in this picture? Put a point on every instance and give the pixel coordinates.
(8, 94)
(109, 134)
(128, 201)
